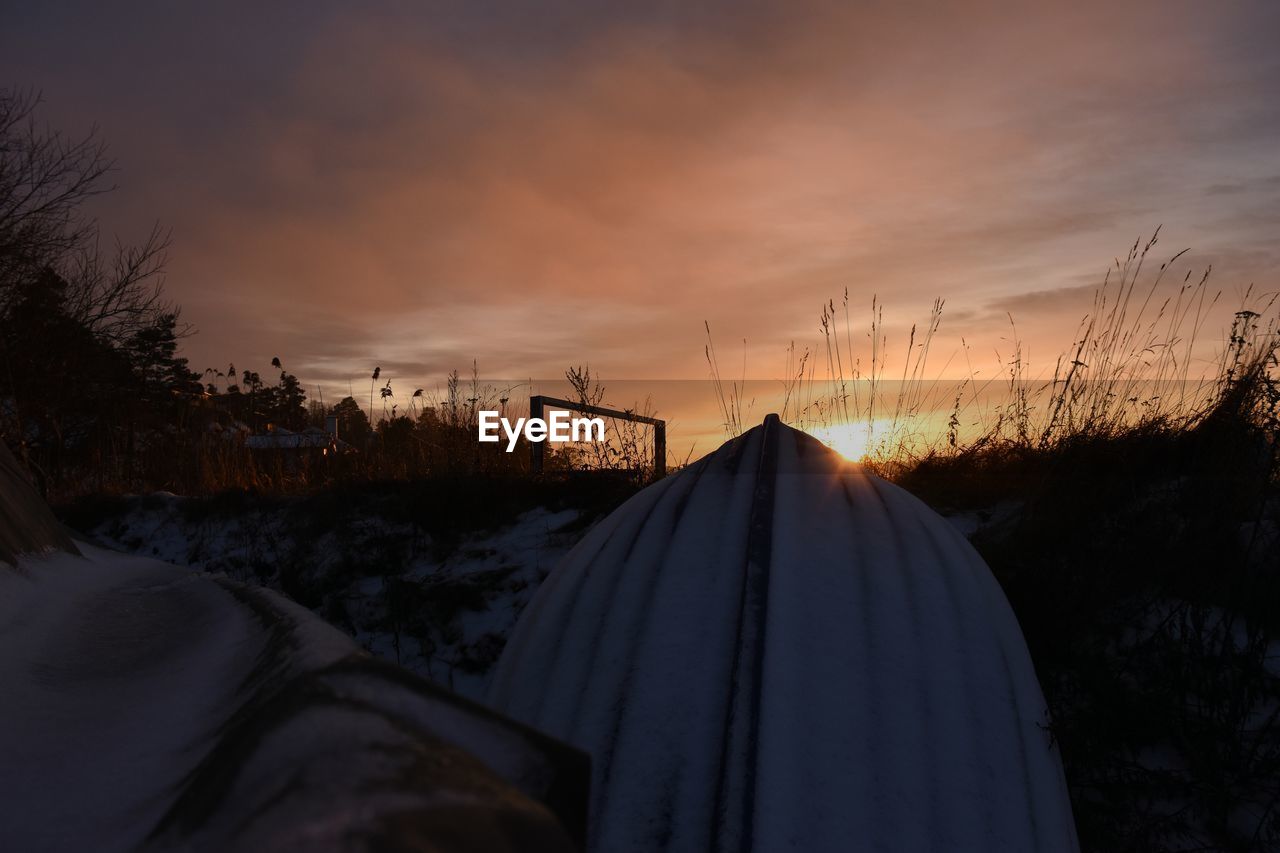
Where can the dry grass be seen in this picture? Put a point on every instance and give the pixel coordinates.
(1132, 367)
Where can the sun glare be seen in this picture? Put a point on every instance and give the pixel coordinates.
(854, 441)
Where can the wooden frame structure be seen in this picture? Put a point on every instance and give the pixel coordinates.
(538, 404)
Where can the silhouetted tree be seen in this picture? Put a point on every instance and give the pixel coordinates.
(45, 180)
(60, 382)
(153, 352)
(88, 345)
(287, 406)
(353, 424)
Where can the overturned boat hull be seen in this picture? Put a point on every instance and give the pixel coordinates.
(773, 650)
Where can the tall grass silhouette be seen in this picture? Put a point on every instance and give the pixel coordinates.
(1131, 366)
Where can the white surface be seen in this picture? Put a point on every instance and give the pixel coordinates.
(147, 707)
(773, 651)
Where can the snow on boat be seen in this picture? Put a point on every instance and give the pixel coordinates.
(773, 650)
(151, 708)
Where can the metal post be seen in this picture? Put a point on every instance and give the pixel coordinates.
(659, 450)
(536, 408)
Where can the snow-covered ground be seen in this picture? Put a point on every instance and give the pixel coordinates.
(491, 575)
(445, 616)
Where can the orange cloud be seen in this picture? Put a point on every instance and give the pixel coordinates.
(534, 188)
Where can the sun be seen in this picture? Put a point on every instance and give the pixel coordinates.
(854, 441)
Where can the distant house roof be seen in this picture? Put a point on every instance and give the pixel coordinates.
(283, 439)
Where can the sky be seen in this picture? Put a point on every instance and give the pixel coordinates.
(534, 185)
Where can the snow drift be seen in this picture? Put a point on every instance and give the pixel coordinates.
(773, 650)
(147, 707)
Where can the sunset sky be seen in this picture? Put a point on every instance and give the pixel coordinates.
(415, 185)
